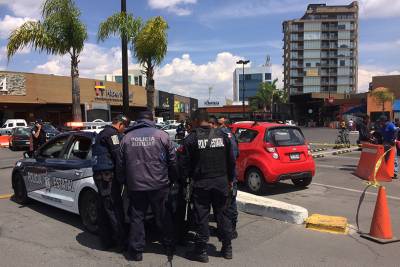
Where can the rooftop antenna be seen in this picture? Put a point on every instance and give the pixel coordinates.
(209, 92)
(268, 61)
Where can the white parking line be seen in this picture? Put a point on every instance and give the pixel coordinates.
(353, 190)
(335, 167)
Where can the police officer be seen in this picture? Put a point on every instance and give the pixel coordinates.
(208, 158)
(38, 135)
(180, 131)
(106, 158)
(148, 164)
(231, 210)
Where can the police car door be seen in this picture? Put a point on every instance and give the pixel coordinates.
(76, 166)
(39, 178)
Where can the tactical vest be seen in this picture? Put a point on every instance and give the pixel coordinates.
(100, 152)
(212, 153)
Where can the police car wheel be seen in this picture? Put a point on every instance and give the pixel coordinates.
(255, 181)
(302, 182)
(88, 210)
(20, 193)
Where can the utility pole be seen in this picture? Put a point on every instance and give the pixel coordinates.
(125, 85)
(243, 62)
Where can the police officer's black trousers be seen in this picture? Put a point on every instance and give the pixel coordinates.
(231, 210)
(139, 202)
(110, 209)
(203, 199)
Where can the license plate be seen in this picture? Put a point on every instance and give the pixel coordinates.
(294, 156)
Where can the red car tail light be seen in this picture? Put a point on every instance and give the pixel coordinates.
(272, 150)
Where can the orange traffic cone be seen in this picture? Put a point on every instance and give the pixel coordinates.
(381, 227)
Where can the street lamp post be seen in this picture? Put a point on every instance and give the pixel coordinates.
(243, 62)
(125, 86)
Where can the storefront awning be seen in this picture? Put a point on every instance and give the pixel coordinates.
(396, 105)
(357, 110)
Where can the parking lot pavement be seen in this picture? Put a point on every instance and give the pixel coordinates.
(40, 235)
(336, 191)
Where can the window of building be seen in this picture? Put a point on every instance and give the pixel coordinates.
(268, 76)
(342, 63)
(118, 79)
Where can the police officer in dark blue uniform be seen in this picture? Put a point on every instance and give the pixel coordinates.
(106, 158)
(209, 160)
(148, 164)
(38, 135)
(231, 210)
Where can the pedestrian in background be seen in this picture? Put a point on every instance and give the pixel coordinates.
(209, 159)
(148, 166)
(106, 154)
(364, 131)
(389, 132)
(38, 135)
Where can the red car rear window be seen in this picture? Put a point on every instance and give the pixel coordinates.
(284, 137)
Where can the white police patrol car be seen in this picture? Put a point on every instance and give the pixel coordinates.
(60, 174)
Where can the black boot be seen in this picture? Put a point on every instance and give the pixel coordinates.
(134, 256)
(226, 251)
(198, 254)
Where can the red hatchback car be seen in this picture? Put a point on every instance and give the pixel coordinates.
(270, 153)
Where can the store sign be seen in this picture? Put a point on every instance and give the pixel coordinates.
(163, 99)
(103, 93)
(211, 103)
(179, 106)
(12, 84)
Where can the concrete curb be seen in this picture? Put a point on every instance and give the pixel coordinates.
(336, 152)
(271, 208)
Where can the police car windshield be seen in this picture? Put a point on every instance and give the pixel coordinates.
(284, 137)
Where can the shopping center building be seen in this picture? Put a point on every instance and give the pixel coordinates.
(30, 96)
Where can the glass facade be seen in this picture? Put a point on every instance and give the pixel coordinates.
(251, 85)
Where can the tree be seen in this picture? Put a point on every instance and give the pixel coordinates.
(61, 32)
(150, 48)
(267, 95)
(382, 95)
(126, 27)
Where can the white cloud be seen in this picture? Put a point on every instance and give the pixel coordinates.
(24, 8)
(183, 76)
(366, 72)
(379, 8)
(10, 23)
(178, 7)
(94, 60)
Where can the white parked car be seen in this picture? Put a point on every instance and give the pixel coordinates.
(171, 130)
(13, 123)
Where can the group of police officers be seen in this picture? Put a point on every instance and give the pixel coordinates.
(200, 173)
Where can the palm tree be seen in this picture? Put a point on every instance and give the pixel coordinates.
(266, 96)
(382, 95)
(61, 32)
(150, 48)
(126, 27)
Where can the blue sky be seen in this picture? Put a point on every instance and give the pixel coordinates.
(206, 37)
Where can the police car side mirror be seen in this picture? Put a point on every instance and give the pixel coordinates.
(26, 155)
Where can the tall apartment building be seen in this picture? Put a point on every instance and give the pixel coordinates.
(253, 77)
(321, 50)
(135, 77)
